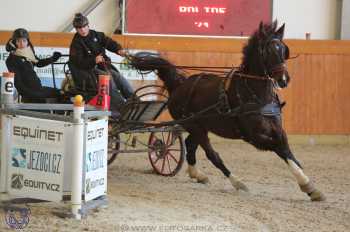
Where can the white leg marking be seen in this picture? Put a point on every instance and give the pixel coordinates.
(192, 171)
(302, 179)
(233, 179)
(195, 173)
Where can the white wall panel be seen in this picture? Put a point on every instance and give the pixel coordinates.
(318, 17)
(53, 15)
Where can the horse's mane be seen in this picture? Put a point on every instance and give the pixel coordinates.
(264, 33)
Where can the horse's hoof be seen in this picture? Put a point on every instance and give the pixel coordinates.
(237, 184)
(314, 194)
(203, 179)
(192, 172)
(317, 195)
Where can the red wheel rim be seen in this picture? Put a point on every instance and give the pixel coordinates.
(166, 152)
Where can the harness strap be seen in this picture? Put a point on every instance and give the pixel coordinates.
(272, 109)
(224, 106)
(228, 80)
(251, 92)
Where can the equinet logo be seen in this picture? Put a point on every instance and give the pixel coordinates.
(37, 133)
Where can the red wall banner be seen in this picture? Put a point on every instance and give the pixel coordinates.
(196, 17)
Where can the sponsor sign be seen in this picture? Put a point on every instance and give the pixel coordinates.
(45, 73)
(7, 86)
(95, 152)
(37, 158)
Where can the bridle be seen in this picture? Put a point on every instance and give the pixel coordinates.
(280, 66)
(269, 72)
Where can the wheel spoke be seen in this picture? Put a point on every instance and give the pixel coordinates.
(163, 139)
(174, 149)
(152, 142)
(155, 137)
(168, 138)
(168, 164)
(156, 160)
(173, 157)
(163, 166)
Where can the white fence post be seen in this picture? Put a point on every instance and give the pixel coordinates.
(77, 159)
(7, 91)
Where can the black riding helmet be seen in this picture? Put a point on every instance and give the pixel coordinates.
(80, 20)
(20, 33)
(17, 34)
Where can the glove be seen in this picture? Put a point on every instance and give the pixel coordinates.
(56, 56)
(10, 46)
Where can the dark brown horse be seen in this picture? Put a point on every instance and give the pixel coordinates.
(243, 105)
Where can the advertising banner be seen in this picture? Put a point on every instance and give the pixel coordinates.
(96, 139)
(36, 163)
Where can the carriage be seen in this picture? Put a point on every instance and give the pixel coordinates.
(165, 146)
(136, 120)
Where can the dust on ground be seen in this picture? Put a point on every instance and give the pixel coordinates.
(139, 200)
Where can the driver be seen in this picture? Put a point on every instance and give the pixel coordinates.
(88, 54)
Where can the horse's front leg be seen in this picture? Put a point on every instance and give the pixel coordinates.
(303, 181)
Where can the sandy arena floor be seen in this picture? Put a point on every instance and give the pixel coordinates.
(142, 201)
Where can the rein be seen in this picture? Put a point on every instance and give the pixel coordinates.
(248, 76)
(239, 74)
(209, 69)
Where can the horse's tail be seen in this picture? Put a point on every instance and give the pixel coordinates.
(166, 71)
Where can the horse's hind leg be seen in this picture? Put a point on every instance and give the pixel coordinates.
(191, 147)
(304, 182)
(214, 157)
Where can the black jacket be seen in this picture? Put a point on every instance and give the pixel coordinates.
(26, 80)
(83, 50)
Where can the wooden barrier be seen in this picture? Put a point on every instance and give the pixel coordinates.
(317, 98)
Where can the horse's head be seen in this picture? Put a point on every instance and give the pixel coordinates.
(266, 54)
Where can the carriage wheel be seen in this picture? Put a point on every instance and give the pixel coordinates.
(166, 152)
(113, 147)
